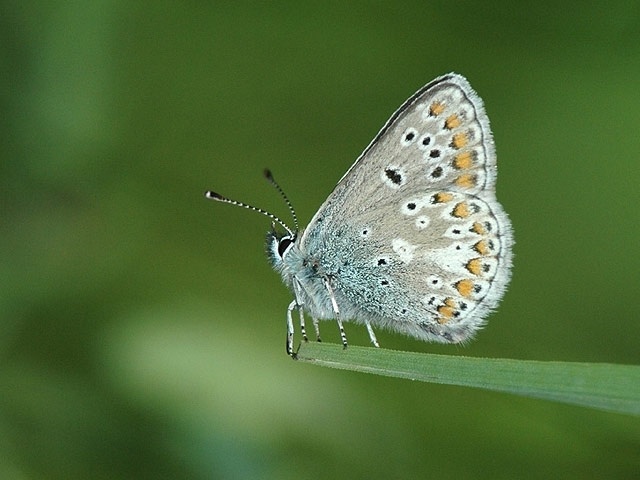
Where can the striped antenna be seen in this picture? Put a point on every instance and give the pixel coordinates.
(269, 176)
(219, 198)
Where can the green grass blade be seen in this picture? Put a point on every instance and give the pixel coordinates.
(605, 386)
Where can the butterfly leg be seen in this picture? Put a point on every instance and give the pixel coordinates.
(317, 329)
(372, 335)
(303, 330)
(336, 311)
(292, 305)
(343, 336)
(299, 304)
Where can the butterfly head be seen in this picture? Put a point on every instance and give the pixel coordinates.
(279, 244)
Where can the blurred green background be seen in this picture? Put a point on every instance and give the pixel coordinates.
(141, 328)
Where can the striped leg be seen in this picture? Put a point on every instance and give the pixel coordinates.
(336, 311)
(292, 305)
(317, 328)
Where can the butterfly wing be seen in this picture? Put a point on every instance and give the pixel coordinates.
(412, 238)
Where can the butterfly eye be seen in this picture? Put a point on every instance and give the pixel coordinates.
(283, 245)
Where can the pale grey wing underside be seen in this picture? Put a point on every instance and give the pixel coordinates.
(412, 236)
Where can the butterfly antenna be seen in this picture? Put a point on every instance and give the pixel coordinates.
(219, 198)
(272, 181)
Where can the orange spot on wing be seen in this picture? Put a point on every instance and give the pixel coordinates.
(452, 122)
(478, 228)
(459, 140)
(463, 161)
(474, 266)
(442, 197)
(481, 247)
(466, 180)
(447, 311)
(465, 287)
(436, 109)
(461, 210)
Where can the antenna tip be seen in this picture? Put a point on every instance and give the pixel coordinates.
(267, 174)
(213, 195)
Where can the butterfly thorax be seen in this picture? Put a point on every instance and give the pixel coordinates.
(302, 272)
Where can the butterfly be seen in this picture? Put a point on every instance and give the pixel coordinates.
(412, 239)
